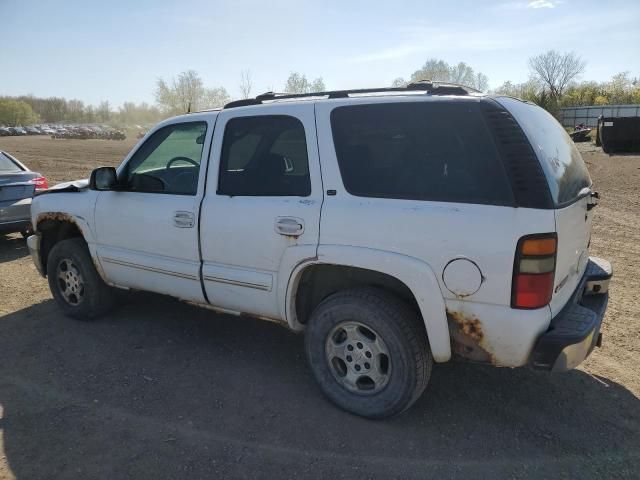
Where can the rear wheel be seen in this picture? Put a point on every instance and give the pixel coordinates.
(74, 282)
(369, 352)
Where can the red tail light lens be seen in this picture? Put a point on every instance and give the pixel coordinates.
(533, 291)
(534, 271)
(40, 183)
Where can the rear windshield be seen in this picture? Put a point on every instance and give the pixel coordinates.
(440, 151)
(7, 165)
(561, 162)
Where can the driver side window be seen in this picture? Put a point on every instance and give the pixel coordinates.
(168, 162)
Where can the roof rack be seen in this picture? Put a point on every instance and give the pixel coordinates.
(426, 86)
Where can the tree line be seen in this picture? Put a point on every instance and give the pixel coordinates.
(553, 83)
(28, 109)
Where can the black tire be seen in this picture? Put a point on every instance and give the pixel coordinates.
(94, 298)
(403, 333)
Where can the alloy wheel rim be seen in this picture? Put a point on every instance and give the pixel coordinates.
(358, 358)
(70, 282)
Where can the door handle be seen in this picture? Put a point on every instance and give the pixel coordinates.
(183, 219)
(289, 226)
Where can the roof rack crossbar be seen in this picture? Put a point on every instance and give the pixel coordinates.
(434, 88)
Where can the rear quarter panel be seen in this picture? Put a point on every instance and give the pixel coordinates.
(436, 233)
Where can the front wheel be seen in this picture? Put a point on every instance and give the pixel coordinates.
(369, 352)
(75, 284)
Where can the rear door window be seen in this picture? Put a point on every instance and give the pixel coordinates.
(439, 151)
(566, 172)
(264, 155)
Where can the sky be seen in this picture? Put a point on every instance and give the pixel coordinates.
(116, 50)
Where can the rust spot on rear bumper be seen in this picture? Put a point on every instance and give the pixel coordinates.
(467, 338)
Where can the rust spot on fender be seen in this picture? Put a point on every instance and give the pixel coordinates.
(467, 338)
(57, 217)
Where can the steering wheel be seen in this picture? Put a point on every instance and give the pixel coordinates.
(184, 159)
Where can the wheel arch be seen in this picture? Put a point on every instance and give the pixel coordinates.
(401, 274)
(54, 227)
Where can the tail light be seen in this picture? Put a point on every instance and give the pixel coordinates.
(534, 270)
(40, 183)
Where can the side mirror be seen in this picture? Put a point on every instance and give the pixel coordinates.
(103, 178)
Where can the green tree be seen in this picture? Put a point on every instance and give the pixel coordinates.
(16, 113)
(461, 73)
(298, 83)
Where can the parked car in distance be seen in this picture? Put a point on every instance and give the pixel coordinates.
(17, 186)
(395, 227)
(5, 132)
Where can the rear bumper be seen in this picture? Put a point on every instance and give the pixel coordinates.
(575, 331)
(15, 215)
(14, 226)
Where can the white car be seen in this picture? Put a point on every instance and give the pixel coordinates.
(396, 227)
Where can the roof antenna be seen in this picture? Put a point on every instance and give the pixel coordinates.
(189, 108)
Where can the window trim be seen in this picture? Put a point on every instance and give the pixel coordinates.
(222, 152)
(124, 169)
(511, 202)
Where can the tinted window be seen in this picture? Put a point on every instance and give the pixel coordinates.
(7, 165)
(561, 162)
(169, 161)
(438, 151)
(264, 156)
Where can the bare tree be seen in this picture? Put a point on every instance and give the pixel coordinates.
(399, 82)
(187, 92)
(433, 69)
(556, 70)
(246, 83)
(462, 74)
(482, 82)
(214, 97)
(103, 111)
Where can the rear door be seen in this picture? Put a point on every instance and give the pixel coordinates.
(570, 187)
(261, 213)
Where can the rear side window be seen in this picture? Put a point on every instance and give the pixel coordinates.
(566, 173)
(7, 165)
(440, 151)
(264, 156)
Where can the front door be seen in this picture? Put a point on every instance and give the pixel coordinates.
(261, 215)
(147, 231)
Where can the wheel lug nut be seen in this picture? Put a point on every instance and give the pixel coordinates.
(367, 354)
(366, 365)
(359, 345)
(358, 368)
(350, 348)
(349, 359)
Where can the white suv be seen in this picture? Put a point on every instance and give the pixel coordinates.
(396, 227)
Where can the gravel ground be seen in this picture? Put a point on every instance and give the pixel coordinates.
(161, 389)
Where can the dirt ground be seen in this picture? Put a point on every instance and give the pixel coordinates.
(160, 389)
